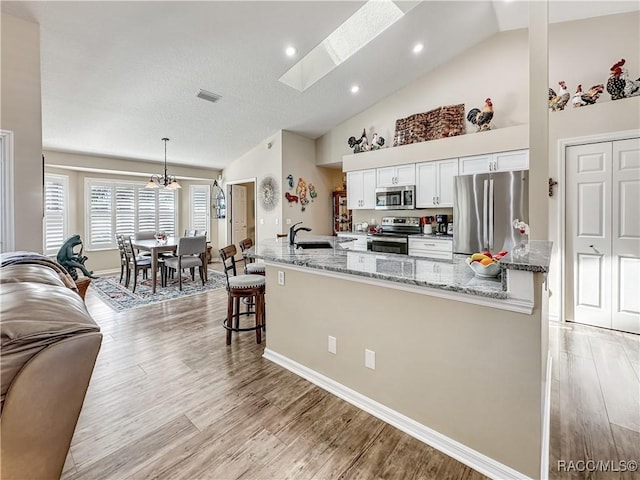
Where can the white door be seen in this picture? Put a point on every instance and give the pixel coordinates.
(386, 177)
(625, 257)
(426, 190)
(447, 169)
(238, 213)
(354, 190)
(406, 174)
(603, 234)
(369, 189)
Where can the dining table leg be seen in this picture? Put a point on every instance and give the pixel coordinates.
(154, 269)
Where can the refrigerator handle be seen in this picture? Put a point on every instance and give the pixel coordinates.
(485, 214)
(490, 229)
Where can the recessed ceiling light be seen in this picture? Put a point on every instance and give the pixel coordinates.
(355, 89)
(417, 48)
(290, 51)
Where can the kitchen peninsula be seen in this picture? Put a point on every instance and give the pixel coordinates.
(457, 361)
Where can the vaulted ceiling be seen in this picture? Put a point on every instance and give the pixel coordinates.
(119, 76)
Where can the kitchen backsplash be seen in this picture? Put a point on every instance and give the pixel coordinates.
(374, 216)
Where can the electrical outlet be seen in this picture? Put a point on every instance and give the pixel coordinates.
(370, 359)
(262, 221)
(280, 277)
(277, 220)
(332, 345)
(288, 221)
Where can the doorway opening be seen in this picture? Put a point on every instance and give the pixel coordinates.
(241, 206)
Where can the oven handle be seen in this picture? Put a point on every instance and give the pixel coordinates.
(389, 239)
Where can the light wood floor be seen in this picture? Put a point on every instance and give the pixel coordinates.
(168, 399)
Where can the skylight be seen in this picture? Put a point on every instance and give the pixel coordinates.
(373, 18)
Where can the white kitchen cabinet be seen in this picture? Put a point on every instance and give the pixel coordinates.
(427, 247)
(361, 189)
(495, 162)
(434, 183)
(399, 175)
(359, 244)
(361, 262)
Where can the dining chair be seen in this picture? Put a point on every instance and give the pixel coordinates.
(250, 266)
(137, 264)
(201, 233)
(189, 254)
(124, 263)
(190, 233)
(239, 287)
(144, 235)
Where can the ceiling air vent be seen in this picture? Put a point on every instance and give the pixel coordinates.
(210, 96)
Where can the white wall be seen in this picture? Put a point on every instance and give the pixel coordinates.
(258, 163)
(21, 113)
(298, 159)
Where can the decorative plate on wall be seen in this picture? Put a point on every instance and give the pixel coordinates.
(268, 193)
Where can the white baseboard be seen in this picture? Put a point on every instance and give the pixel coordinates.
(476, 460)
(546, 422)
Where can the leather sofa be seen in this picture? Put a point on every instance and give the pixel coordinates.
(48, 351)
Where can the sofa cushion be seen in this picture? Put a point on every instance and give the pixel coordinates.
(34, 316)
(30, 273)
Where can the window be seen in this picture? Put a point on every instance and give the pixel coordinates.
(200, 208)
(56, 205)
(125, 208)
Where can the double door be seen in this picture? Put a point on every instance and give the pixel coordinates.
(361, 190)
(603, 234)
(434, 186)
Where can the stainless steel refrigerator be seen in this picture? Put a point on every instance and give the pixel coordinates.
(484, 208)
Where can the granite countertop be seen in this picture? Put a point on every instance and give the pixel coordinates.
(454, 275)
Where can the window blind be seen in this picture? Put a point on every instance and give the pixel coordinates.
(200, 208)
(55, 212)
(126, 208)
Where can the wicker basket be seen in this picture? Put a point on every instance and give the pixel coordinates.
(440, 122)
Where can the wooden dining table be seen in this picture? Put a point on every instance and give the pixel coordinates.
(155, 247)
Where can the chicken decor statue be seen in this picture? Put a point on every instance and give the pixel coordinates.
(631, 87)
(616, 82)
(482, 118)
(577, 101)
(361, 144)
(593, 94)
(377, 142)
(558, 102)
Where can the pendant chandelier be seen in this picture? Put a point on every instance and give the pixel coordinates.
(164, 181)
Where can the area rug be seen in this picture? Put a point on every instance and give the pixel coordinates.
(120, 298)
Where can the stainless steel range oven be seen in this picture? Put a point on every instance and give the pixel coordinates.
(393, 235)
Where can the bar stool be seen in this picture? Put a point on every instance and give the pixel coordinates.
(238, 287)
(249, 266)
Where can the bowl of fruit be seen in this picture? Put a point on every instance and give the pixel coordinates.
(486, 264)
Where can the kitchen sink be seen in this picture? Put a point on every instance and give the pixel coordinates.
(306, 245)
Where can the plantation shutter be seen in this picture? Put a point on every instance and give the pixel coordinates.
(55, 212)
(147, 208)
(167, 211)
(101, 234)
(125, 210)
(199, 208)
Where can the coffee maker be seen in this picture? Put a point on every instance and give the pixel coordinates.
(441, 224)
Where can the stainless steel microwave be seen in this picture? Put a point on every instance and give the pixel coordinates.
(396, 198)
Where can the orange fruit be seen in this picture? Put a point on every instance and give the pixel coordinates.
(486, 261)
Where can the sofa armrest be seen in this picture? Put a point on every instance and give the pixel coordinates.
(42, 406)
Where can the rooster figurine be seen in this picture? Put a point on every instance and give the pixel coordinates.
(616, 82)
(577, 98)
(593, 94)
(377, 142)
(558, 102)
(482, 118)
(631, 87)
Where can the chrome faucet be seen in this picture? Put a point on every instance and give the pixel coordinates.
(293, 231)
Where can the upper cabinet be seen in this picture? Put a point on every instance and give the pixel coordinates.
(399, 175)
(434, 183)
(361, 189)
(495, 162)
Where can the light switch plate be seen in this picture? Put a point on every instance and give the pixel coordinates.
(332, 345)
(370, 359)
(288, 221)
(280, 277)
